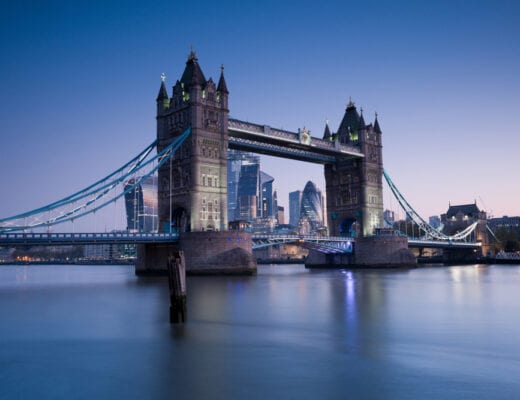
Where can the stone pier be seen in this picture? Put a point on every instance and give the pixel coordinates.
(206, 253)
(382, 251)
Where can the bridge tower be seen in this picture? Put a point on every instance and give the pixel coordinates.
(193, 186)
(355, 187)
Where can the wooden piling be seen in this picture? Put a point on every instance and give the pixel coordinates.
(177, 284)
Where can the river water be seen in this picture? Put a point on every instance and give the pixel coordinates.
(99, 332)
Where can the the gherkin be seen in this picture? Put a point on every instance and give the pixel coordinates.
(311, 206)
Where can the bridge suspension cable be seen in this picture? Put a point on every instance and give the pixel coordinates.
(97, 195)
(430, 231)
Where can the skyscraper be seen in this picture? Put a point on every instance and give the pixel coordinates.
(235, 161)
(141, 205)
(295, 199)
(311, 206)
(248, 192)
(265, 207)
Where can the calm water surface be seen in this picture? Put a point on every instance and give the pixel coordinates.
(91, 332)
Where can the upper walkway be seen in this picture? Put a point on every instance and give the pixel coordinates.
(263, 139)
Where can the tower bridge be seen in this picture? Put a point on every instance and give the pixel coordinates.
(194, 132)
(352, 157)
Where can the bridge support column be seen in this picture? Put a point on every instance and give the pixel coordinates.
(205, 253)
(385, 251)
(460, 256)
(317, 259)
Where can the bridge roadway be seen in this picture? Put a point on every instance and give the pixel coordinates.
(58, 239)
(322, 243)
(299, 146)
(442, 244)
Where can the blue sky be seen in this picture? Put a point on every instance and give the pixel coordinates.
(79, 81)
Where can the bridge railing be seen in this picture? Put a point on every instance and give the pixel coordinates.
(303, 237)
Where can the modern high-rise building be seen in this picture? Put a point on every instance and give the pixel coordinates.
(248, 192)
(280, 217)
(251, 190)
(265, 208)
(141, 205)
(295, 200)
(235, 161)
(312, 206)
(276, 208)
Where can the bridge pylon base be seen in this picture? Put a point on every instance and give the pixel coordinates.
(206, 253)
(385, 251)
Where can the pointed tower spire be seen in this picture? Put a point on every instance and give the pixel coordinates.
(192, 74)
(222, 87)
(163, 93)
(362, 124)
(377, 129)
(326, 134)
(350, 125)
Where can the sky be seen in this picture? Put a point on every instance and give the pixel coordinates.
(78, 82)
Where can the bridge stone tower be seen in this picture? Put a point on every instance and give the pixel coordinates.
(193, 186)
(355, 187)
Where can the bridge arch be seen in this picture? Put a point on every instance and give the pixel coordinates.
(180, 219)
(348, 227)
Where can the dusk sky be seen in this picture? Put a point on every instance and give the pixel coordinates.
(79, 81)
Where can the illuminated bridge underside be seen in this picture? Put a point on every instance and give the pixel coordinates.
(263, 139)
(329, 245)
(442, 244)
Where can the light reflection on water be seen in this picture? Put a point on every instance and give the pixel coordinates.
(100, 332)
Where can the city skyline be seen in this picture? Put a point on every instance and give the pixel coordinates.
(80, 83)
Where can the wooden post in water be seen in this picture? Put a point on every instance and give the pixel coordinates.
(177, 284)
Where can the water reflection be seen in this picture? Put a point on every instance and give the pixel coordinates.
(286, 333)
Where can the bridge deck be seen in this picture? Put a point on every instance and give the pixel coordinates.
(15, 239)
(263, 139)
(442, 244)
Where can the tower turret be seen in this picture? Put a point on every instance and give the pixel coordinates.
(222, 90)
(326, 133)
(348, 131)
(163, 101)
(377, 129)
(361, 121)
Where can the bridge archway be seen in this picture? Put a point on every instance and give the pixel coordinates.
(180, 220)
(348, 227)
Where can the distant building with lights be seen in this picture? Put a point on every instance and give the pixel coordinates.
(235, 160)
(311, 208)
(141, 205)
(505, 222)
(295, 201)
(459, 217)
